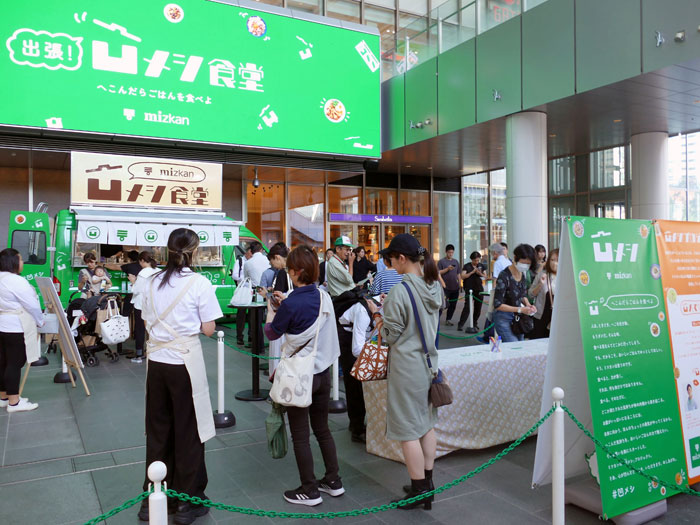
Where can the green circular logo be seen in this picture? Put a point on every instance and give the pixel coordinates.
(93, 232)
(203, 236)
(150, 236)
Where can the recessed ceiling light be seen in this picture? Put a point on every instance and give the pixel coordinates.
(552, 135)
(617, 120)
(407, 166)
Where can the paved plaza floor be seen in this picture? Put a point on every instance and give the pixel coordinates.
(77, 457)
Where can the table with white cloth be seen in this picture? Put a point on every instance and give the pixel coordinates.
(497, 398)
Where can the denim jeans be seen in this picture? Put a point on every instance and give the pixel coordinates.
(503, 320)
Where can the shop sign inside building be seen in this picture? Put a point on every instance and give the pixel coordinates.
(193, 70)
(118, 180)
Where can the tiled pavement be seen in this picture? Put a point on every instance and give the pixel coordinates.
(77, 456)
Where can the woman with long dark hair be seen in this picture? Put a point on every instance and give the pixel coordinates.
(543, 291)
(410, 417)
(20, 314)
(179, 304)
(148, 267)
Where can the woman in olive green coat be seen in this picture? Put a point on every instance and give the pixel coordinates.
(410, 416)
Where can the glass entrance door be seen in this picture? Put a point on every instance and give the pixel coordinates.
(609, 210)
(389, 231)
(368, 237)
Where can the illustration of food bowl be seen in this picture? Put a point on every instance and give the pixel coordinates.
(257, 26)
(173, 13)
(672, 296)
(655, 271)
(655, 330)
(334, 110)
(644, 231)
(583, 277)
(662, 317)
(679, 478)
(578, 229)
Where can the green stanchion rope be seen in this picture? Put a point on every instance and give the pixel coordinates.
(467, 336)
(329, 515)
(117, 510)
(624, 463)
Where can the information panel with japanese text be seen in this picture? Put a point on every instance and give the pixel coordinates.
(679, 257)
(624, 331)
(194, 70)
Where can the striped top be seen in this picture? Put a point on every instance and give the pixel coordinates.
(384, 281)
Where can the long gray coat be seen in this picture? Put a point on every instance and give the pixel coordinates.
(409, 414)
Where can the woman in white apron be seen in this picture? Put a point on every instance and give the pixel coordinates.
(177, 305)
(148, 267)
(306, 318)
(20, 314)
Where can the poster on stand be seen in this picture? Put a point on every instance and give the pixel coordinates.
(626, 349)
(679, 259)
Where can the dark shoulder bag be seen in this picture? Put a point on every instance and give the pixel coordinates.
(440, 393)
(522, 323)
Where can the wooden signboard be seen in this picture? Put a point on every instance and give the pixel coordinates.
(66, 342)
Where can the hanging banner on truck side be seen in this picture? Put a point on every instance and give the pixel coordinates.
(138, 182)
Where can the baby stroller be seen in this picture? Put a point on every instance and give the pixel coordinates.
(88, 340)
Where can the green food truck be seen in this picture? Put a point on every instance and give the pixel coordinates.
(111, 234)
(121, 203)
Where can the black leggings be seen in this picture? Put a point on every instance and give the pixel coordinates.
(13, 355)
(139, 332)
(299, 427)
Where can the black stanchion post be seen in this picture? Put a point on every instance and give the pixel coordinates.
(256, 394)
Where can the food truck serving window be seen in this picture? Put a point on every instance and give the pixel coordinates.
(31, 245)
(114, 254)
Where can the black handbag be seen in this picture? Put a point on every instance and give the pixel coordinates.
(522, 324)
(440, 393)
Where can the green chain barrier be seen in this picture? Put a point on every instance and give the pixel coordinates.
(467, 336)
(624, 463)
(329, 515)
(117, 510)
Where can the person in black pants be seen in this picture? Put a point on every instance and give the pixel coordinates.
(241, 313)
(472, 274)
(298, 318)
(448, 269)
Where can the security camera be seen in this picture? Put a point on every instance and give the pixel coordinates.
(256, 183)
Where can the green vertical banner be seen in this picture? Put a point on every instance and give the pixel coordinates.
(629, 366)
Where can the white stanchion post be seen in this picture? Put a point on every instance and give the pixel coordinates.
(157, 501)
(336, 405)
(222, 418)
(220, 369)
(470, 320)
(558, 458)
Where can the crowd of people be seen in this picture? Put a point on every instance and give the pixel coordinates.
(327, 311)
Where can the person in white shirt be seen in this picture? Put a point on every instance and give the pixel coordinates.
(355, 328)
(241, 313)
(253, 270)
(148, 267)
(179, 304)
(20, 314)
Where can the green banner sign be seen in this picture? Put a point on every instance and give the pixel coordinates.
(194, 70)
(629, 367)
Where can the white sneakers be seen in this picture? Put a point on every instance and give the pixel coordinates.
(5, 402)
(24, 405)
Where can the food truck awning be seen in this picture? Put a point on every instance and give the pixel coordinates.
(132, 228)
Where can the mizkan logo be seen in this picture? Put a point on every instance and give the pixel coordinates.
(166, 118)
(690, 307)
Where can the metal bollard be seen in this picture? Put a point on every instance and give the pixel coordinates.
(157, 501)
(222, 418)
(470, 320)
(558, 458)
(336, 405)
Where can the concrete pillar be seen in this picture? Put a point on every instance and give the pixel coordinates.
(649, 177)
(526, 179)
